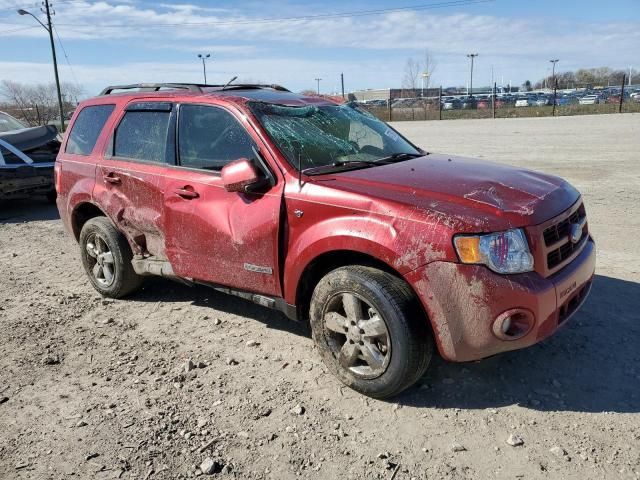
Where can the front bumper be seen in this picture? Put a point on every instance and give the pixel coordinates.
(463, 301)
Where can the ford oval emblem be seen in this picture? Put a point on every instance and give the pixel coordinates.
(575, 233)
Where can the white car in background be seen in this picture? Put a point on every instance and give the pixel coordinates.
(590, 100)
(523, 102)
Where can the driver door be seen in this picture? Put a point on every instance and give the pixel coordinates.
(212, 235)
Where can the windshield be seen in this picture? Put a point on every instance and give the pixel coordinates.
(321, 136)
(8, 123)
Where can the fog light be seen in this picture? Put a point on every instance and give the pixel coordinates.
(513, 324)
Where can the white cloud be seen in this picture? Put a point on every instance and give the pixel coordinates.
(517, 48)
(298, 74)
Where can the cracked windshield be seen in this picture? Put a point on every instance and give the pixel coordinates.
(319, 138)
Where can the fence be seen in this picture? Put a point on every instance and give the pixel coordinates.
(622, 99)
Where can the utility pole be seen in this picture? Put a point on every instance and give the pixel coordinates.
(318, 81)
(472, 56)
(342, 84)
(204, 66)
(49, 29)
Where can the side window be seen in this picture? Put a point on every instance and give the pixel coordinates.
(86, 129)
(142, 135)
(210, 137)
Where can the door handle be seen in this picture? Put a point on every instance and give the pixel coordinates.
(187, 192)
(111, 178)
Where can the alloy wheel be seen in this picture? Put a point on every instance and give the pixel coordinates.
(101, 260)
(357, 335)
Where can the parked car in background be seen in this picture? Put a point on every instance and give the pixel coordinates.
(543, 101)
(451, 104)
(591, 100)
(329, 215)
(484, 103)
(523, 102)
(469, 103)
(564, 100)
(27, 158)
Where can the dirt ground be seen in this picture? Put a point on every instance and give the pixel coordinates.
(94, 388)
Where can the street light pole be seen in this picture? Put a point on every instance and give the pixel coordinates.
(49, 29)
(204, 66)
(472, 56)
(553, 75)
(318, 80)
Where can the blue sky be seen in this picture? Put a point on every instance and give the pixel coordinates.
(122, 41)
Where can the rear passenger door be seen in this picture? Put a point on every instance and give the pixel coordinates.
(130, 178)
(226, 238)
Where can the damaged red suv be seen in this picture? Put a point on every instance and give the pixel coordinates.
(325, 213)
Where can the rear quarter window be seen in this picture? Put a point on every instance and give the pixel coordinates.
(86, 129)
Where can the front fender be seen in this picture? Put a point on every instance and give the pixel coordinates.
(396, 243)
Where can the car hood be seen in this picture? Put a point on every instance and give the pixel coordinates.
(30, 138)
(474, 195)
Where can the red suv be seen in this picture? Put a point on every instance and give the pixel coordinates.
(328, 214)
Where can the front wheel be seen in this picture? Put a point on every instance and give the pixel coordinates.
(370, 330)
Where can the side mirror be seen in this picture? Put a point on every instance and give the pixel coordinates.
(240, 176)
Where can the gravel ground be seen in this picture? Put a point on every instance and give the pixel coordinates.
(176, 380)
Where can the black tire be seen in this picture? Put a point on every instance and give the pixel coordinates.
(51, 196)
(410, 344)
(123, 279)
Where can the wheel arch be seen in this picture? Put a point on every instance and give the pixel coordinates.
(325, 262)
(81, 214)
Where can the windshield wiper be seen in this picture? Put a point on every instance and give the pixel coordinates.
(399, 157)
(338, 165)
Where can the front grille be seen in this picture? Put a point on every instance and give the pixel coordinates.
(556, 257)
(556, 232)
(559, 234)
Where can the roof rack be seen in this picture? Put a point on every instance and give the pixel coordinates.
(192, 87)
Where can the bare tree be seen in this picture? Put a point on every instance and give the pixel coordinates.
(416, 71)
(587, 77)
(412, 71)
(429, 66)
(38, 104)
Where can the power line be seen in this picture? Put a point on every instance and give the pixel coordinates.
(360, 13)
(73, 74)
(35, 5)
(4, 32)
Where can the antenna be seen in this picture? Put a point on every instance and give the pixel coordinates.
(299, 172)
(229, 82)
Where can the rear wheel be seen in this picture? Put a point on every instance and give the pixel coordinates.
(370, 330)
(106, 257)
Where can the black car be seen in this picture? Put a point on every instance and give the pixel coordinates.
(469, 103)
(27, 158)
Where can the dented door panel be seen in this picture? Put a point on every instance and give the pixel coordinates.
(132, 195)
(222, 237)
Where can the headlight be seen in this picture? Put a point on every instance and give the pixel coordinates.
(504, 252)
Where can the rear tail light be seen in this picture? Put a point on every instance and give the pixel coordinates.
(56, 176)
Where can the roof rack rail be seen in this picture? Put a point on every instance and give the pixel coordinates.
(153, 87)
(192, 87)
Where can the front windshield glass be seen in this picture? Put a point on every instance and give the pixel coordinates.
(321, 136)
(8, 123)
